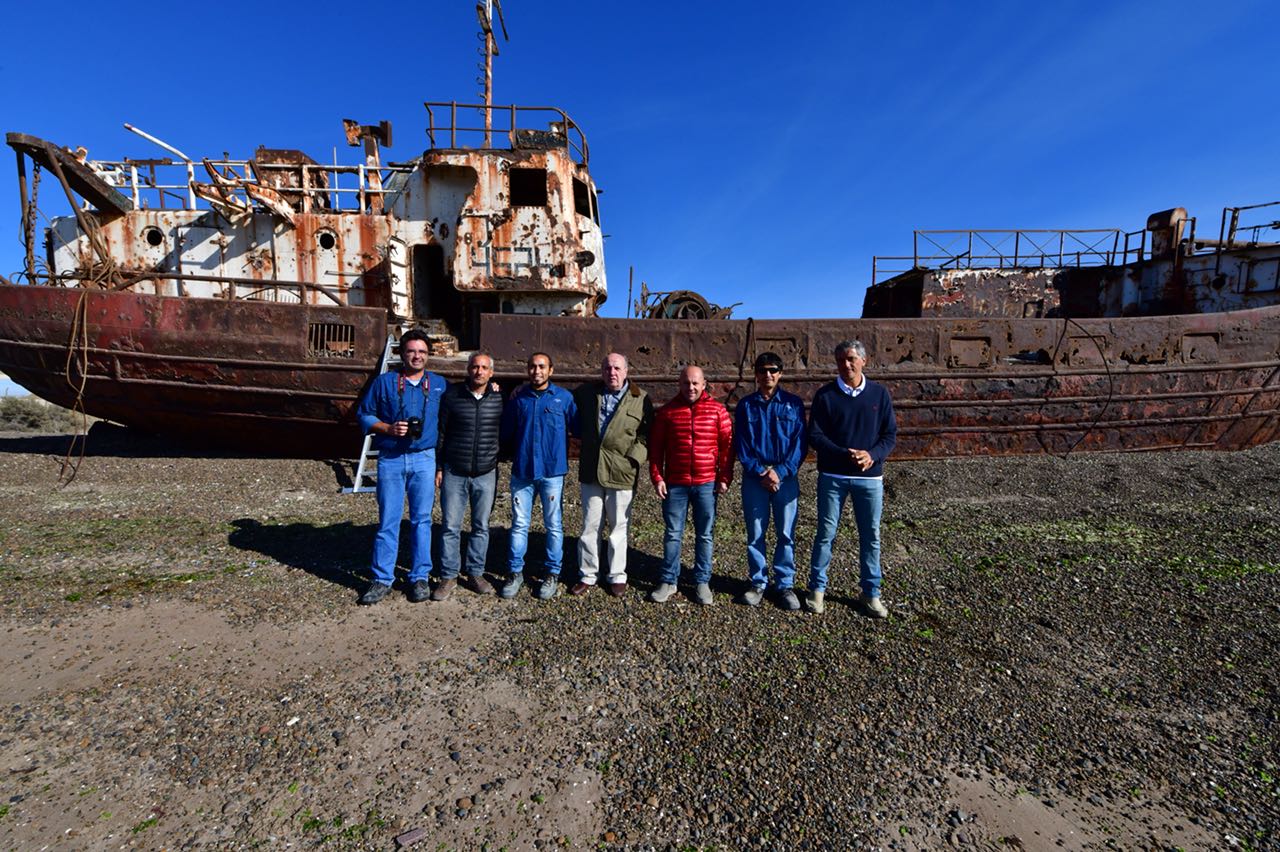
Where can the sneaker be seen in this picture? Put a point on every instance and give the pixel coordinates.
(664, 591)
(787, 600)
(373, 594)
(513, 584)
(616, 590)
(443, 589)
(816, 603)
(702, 595)
(873, 607)
(549, 588)
(580, 589)
(478, 584)
(419, 591)
(751, 597)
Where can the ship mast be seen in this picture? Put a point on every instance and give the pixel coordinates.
(484, 11)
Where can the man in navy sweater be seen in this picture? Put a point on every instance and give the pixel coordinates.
(853, 430)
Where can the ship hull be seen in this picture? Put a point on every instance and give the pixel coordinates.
(284, 379)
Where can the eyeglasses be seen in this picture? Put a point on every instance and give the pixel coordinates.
(770, 370)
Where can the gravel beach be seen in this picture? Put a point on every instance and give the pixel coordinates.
(1081, 655)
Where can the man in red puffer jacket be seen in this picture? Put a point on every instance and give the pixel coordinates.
(690, 463)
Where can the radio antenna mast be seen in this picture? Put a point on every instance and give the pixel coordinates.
(484, 11)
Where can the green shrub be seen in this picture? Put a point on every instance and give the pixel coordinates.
(29, 414)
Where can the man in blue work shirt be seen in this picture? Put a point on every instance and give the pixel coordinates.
(401, 411)
(536, 423)
(769, 436)
(853, 430)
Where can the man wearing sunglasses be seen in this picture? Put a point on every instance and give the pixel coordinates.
(769, 436)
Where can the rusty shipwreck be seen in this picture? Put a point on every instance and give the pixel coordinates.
(248, 302)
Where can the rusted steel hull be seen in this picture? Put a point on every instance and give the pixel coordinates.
(274, 379)
(972, 386)
(277, 379)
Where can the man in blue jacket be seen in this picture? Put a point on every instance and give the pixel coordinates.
(853, 430)
(536, 423)
(768, 433)
(402, 410)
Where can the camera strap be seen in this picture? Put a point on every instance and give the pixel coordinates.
(426, 392)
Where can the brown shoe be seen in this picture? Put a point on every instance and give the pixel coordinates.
(443, 589)
(617, 589)
(478, 584)
(580, 589)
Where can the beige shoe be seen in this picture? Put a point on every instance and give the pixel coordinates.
(874, 608)
(816, 604)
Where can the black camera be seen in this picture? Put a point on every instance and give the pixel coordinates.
(415, 428)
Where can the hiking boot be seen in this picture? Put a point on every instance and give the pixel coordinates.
(478, 584)
(513, 584)
(443, 589)
(617, 590)
(376, 592)
(664, 591)
(419, 591)
(549, 588)
(816, 603)
(873, 607)
(702, 595)
(580, 589)
(787, 600)
(751, 597)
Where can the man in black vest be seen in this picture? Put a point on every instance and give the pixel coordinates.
(470, 420)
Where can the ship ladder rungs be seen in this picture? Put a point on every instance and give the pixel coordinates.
(366, 476)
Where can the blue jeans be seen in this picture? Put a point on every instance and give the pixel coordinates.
(784, 504)
(674, 510)
(456, 492)
(548, 490)
(868, 500)
(415, 474)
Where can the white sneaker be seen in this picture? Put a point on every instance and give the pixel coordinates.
(702, 595)
(874, 608)
(660, 594)
(816, 604)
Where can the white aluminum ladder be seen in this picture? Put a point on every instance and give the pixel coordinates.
(367, 468)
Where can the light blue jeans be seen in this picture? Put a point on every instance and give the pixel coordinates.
(548, 490)
(758, 503)
(413, 474)
(868, 500)
(456, 493)
(674, 510)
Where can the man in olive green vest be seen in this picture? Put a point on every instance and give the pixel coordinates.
(614, 419)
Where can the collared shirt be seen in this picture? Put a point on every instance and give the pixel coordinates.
(770, 433)
(844, 388)
(608, 405)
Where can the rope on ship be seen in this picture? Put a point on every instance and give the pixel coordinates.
(1111, 384)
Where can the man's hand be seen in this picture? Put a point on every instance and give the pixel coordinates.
(398, 429)
(661, 488)
(861, 458)
(722, 487)
(439, 477)
(771, 481)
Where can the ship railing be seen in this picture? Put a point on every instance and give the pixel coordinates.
(1013, 249)
(450, 125)
(166, 183)
(1232, 234)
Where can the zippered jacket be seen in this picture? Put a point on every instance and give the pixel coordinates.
(469, 430)
(770, 433)
(691, 444)
(388, 401)
(536, 428)
(614, 459)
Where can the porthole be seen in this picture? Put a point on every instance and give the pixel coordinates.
(153, 235)
(327, 240)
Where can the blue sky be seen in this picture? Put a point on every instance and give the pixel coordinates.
(754, 152)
